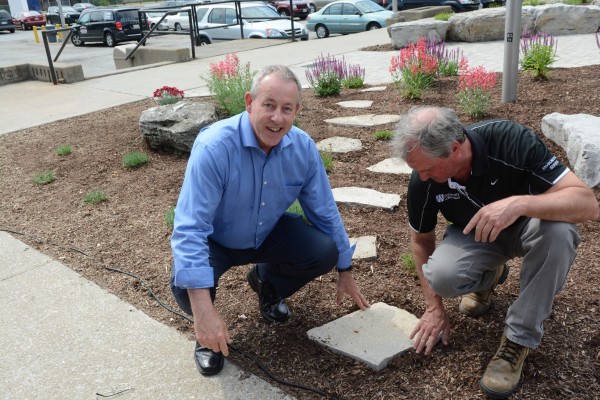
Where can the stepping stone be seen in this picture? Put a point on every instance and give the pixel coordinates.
(366, 197)
(373, 336)
(356, 104)
(365, 120)
(365, 248)
(374, 89)
(338, 144)
(394, 165)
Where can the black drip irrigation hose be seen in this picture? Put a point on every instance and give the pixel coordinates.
(166, 307)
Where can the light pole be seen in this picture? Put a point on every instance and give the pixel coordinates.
(512, 40)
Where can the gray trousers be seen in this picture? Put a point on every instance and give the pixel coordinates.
(460, 265)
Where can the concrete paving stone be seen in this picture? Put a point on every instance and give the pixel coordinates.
(374, 89)
(394, 165)
(366, 197)
(356, 104)
(373, 336)
(366, 248)
(364, 121)
(338, 144)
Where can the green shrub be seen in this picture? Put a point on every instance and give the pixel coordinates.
(327, 160)
(134, 159)
(95, 197)
(539, 53)
(383, 135)
(63, 150)
(170, 217)
(44, 178)
(409, 262)
(353, 82)
(442, 16)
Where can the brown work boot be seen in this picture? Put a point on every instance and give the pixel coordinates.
(476, 304)
(502, 375)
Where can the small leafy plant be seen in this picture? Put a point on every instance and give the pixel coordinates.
(354, 76)
(328, 75)
(383, 135)
(327, 160)
(448, 60)
(229, 81)
(414, 70)
(134, 159)
(409, 262)
(170, 217)
(167, 95)
(63, 150)
(95, 197)
(474, 91)
(539, 53)
(44, 178)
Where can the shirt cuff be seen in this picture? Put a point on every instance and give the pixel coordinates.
(194, 278)
(345, 258)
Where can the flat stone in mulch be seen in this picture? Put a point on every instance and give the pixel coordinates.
(338, 144)
(374, 89)
(392, 165)
(364, 121)
(373, 336)
(366, 197)
(366, 248)
(356, 104)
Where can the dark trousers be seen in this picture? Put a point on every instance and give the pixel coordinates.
(292, 255)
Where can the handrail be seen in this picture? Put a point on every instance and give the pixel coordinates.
(47, 48)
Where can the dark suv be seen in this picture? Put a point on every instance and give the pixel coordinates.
(6, 22)
(108, 25)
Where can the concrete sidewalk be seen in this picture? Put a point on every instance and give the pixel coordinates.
(64, 337)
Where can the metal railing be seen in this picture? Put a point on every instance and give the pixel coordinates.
(54, 32)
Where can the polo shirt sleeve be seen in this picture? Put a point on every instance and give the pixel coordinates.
(422, 207)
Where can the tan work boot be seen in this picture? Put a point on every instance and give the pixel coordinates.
(502, 375)
(476, 304)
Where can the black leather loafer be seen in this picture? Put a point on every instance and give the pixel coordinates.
(207, 361)
(272, 307)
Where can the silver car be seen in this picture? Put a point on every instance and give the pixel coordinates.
(218, 21)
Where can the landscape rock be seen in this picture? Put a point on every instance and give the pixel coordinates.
(406, 33)
(579, 136)
(173, 128)
(337, 144)
(365, 120)
(366, 197)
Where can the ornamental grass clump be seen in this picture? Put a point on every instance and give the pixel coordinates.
(63, 150)
(354, 76)
(539, 53)
(95, 197)
(134, 159)
(474, 90)
(414, 70)
(167, 95)
(44, 178)
(229, 81)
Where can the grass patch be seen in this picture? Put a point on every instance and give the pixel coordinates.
(44, 178)
(296, 208)
(63, 150)
(409, 262)
(383, 135)
(170, 217)
(95, 197)
(134, 159)
(442, 16)
(327, 160)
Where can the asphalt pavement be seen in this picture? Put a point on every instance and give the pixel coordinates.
(64, 337)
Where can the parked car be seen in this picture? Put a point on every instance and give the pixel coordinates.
(258, 20)
(53, 15)
(6, 22)
(179, 21)
(83, 6)
(152, 19)
(347, 16)
(28, 19)
(110, 25)
(457, 5)
(300, 8)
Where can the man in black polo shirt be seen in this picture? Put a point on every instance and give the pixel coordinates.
(503, 195)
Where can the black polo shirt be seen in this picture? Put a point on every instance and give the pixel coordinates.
(508, 159)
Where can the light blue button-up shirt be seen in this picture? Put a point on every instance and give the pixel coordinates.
(235, 194)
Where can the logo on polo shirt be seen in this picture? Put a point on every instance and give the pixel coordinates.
(440, 198)
(551, 164)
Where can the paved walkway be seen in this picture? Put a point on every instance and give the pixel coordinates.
(64, 337)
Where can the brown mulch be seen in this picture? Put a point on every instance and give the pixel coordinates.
(129, 232)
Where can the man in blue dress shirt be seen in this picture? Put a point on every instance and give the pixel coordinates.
(242, 175)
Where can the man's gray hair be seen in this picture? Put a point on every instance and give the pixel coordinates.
(433, 129)
(281, 71)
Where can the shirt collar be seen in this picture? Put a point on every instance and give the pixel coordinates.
(479, 163)
(249, 138)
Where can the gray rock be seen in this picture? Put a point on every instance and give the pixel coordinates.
(394, 165)
(562, 19)
(365, 120)
(339, 144)
(356, 104)
(366, 197)
(406, 33)
(579, 136)
(173, 128)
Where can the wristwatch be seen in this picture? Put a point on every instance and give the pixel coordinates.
(344, 270)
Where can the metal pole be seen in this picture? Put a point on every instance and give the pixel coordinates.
(50, 64)
(512, 40)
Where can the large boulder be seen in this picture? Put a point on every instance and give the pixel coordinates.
(482, 25)
(579, 136)
(405, 33)
(173, 128)
(562, 19)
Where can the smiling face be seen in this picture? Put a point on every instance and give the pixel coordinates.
(273, 110)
